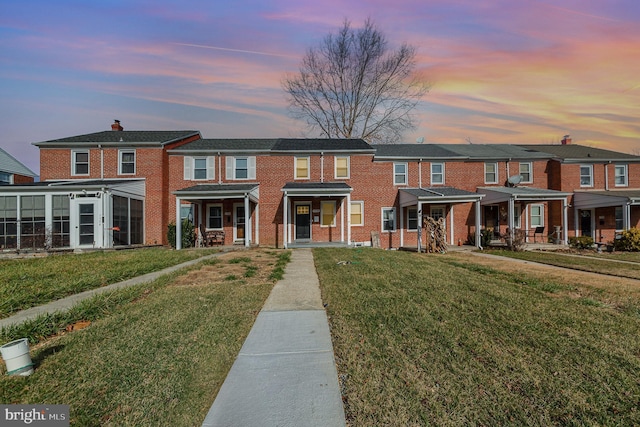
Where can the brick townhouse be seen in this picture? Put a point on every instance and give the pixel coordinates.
(119, 188)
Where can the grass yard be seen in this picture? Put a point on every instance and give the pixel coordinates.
(26, 283)
(159, 358)
(444, 340)
(593, 262)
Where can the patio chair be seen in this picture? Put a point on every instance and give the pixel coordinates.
(538, 230)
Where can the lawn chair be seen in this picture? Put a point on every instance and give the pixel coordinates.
(535, 231)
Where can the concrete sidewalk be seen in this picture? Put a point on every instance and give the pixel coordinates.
(285, 374)
(65, 304)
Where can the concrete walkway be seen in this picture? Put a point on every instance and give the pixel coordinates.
(68, 302)
(285, 374)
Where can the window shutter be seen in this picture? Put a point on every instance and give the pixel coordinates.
(229, 161)
(187, 168)
(251, 167)
(211, 167)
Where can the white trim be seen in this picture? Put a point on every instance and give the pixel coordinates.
(74, 163)
(120, 162)
(335, 167)
(322, 204)
(395, 219)
(405, 173)
(541, 215)
(625, 176)
(432, 173)
(208, 215)
(495, 172)
(590, 184)
(295, 167)
(530, 180)
(361, 203)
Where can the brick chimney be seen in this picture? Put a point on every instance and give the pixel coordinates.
(116, 125)
(566, 140)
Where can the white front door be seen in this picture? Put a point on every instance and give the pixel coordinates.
(87, 224)
(239, 220)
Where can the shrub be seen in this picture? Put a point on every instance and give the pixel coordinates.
(581, 242)
(519, 237)
(188, 236)
(629, 240)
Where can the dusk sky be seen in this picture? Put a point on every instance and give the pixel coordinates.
(524, 72)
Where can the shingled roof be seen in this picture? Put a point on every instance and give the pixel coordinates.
(128, 137)
(580, 153)
(278, 145)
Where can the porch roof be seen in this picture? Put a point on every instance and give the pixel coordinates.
(316, 189)
(220, 191)
(503, 194)
(605, 198)
(71, 185)
(411, 196)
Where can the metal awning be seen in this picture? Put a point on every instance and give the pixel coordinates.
(315, 189)
(600, 199)
(413, 196)
(504, 194)
(219, 191)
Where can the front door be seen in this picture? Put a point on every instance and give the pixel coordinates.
(303, 222)
(492, 218)
(239, 221)
(585, 223)
(87, 226)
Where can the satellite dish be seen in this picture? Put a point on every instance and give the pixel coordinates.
(514, 180)
(420, 140)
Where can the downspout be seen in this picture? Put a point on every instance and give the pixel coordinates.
(219, 168)
(606, 176)
(101, 161)
(419, 179)
(321, 166)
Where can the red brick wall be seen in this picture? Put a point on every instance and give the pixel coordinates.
(22, 179)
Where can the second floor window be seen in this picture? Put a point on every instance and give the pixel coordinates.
(490, 173)
(525, 172)
(621, 176)
(301, 168)
(399, 174)
(586, 176)
(241, 167)
(437, 173)
(199, 168)
(80, 163)
(342, 167)
(127, 162)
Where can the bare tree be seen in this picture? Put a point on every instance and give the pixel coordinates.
(353, 86)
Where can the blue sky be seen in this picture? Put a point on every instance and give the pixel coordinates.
(501, 71)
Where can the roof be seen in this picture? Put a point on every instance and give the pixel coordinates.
(580, 153)
(464, 152)
(125, 137)
(219, 187)
(9, 164)
(411, 196)
(220, 191)
(279, 145)
(605, 198)
(502, 194)
(316, 188)
(71, 184)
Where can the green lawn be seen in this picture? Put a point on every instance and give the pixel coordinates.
(30, 282)
(439, 340)
(590, 261)
(160, 355)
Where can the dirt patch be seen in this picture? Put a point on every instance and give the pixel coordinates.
(630, 287)
(250, 267)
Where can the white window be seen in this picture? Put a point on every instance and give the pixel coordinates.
(517, 215)
(388, 219)
(490, 173)
(79, 163)
(126, 162)
(241, 168)
(537, 215)
(328, 214)
(214, 217)
(412, 219)
(199, 168)
(619, 219)
(437, 173)
(621, 176)
(400, 174)
(357, 213)
(301, 168)
(526, 172)
(586, 175)
(342, 167)
(6, 178)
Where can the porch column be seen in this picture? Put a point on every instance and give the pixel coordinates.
(349, 219)
(341, 219)
(451, 222)
(575, 220)
(478, 242)
(510, 217)
(419, 230)
(401, 222)
(626, 216)
(257, 224)
(247, 222)
(285, 201)
(565, 221)
(178, 225)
